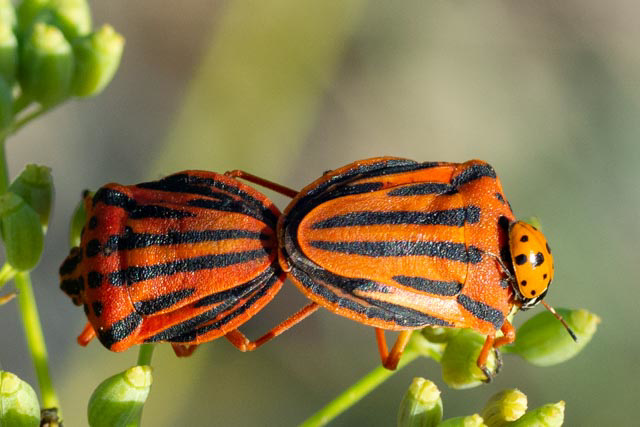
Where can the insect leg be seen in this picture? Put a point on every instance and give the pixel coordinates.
(390, 360)
(87, 334)
(484, 355)
(509, 335)
(242, 343)
(262, 182)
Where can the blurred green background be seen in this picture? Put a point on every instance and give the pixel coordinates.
(547, 92)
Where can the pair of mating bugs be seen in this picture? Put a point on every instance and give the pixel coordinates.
(388, 242)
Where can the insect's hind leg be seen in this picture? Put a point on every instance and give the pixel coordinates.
(242, 343)
(390, 359)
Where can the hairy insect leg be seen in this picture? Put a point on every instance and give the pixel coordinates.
(87, 334)
(242, 343)
(262, 182)
(390, 359)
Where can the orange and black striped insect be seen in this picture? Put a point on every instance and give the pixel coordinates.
(401, 245)
(185, 259)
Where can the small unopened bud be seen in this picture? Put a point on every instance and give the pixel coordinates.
(118, 400)
(78, 220)
(35, 186)
(550, 415)
(459, 361)
(46, 65)
(97, 59)
(504, 407)
(27, 11)
(474, 420)
(421, 406)
(18, 402)
(73, 17)
(8, 52)
(21, 231)
(543, 340)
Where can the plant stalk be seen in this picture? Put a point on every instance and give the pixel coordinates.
(357, 391)
(35, 339)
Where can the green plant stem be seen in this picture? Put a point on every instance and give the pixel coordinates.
(145, 353)
(357, 391)
(35, 339)
(18, 124)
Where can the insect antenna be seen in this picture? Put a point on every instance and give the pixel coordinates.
(551, 309)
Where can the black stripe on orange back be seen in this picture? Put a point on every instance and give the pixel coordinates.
(315, 279)
(451, 217)
(193, 184)
(94, 279)
(135, 274)
(236, 206)
(482, 311)
(472, 173)
(130, 240)
(112, 197)
(448, 250)
(421, 189)
(119, 330)
(154, 305)
(180, 331)
(71, 262)
(201, 330)
(436, 287)
(72, 286)
(240, 290)
(342, 185)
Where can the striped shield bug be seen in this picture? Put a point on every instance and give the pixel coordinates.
(401, 245)
(185, 259)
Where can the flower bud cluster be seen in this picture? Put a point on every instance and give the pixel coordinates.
(422, 407)
(49, 52)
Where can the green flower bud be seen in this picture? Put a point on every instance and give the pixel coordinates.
(543, 340)
(503, 407)
(27, 11)
(21, 231)
(6, 104)
(550, 415)
(35, 186)
(118, 400)
(459, 361)
(421, 405)
(8, 52)
(474, 420)
(78, 220)
(7, 13)
(97, 59)
(73, 17)
(46, 65)
(18, 402)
